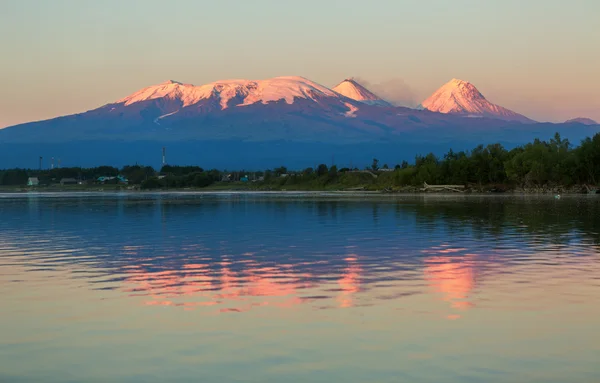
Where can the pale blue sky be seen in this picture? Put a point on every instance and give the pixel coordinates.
(538, 57)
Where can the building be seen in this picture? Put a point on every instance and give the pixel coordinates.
(68, 181)
(33, 181)
(113, 180)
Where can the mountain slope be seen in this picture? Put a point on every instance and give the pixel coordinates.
(582, 120)
(266, 122)
(462, 98)
(352, 89)
(278, 108)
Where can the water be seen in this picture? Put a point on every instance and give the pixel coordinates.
(270, 288)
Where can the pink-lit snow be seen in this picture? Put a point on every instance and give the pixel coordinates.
(461, 97)
(352, 89)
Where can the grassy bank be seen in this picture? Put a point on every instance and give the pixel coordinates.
(368, 185)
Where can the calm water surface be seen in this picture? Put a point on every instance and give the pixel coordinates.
(254, 288)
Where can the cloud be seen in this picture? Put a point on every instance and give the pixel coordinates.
(394, 90)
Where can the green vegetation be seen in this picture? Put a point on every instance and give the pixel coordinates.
(540, 164)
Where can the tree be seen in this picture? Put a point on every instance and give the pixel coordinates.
(308, 171)
(587, 160)
(202, 180)
(151, 183)
(14, 177)
(280, 170)
(385, 166)
(333, 171)
(375, 164)
(427, 169)
(180, 170)
(322, 170)
(136, 174)
(268, 175)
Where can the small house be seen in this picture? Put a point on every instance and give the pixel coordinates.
(68, 181)
(113, 180)
(104, 179)
(33, 181)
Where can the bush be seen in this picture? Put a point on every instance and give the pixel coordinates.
(152, 183)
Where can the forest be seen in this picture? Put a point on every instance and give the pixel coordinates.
(551, 163)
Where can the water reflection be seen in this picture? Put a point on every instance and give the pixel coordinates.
(452, 275)
(428, 289)
(235, 253)
(349, 282)
(253, 284)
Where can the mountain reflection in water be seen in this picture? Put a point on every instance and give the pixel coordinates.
(319, 288)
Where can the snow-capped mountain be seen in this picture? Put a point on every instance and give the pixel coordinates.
(279, 108)
(462, 98)
(235, 93)
(352, 89)
(582, 120)
(284, 120)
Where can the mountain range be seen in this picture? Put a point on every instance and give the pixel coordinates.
(283, 120)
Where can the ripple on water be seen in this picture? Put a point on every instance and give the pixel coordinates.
(459, 288)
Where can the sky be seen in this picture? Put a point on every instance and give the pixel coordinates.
(536, 57)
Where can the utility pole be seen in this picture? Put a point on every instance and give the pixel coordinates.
(41, 158)
(52, 163)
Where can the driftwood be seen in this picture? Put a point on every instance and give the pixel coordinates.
(591, 190)
(454, 188)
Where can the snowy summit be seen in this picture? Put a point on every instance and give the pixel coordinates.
(234, 92)
(461, 97)
(352, 89)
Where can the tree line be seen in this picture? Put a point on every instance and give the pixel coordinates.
(538, 163)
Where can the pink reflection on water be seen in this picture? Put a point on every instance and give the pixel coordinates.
(349, 282)
(237, 291)
(451, 276)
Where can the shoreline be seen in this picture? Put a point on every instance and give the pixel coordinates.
(244, 190)
(314, 188)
